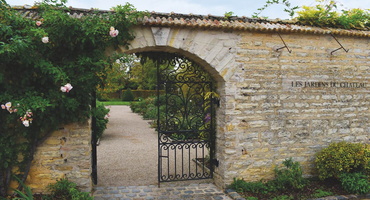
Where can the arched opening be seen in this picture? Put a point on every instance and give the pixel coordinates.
(188, 97)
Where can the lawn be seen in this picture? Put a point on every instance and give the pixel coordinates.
(114, 103)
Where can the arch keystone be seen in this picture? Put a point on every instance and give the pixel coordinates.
(161, 35)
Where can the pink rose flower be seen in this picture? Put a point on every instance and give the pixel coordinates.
(38, 23)
(113, 32)
(63, 89)
(66, 88)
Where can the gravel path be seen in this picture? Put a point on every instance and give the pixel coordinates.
(127, 154)
(127, 164)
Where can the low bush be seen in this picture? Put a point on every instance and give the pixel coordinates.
(141, 106)
(342, 157)
(258, 187)
(289, 183)
(356, 183)
(101, 114)
(65, 189)
(321, 193)
(290, 176)
(128, 95)
(286, 178)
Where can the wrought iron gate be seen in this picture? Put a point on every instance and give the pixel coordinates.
(185, 124)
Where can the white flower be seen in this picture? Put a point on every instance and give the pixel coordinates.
(8, 105)
(26, 123)
(45, 40)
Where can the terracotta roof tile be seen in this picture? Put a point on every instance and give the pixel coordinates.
(214, 22)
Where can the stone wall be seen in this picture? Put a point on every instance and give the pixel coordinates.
(280, 105)
(66, 153)
(275, 104)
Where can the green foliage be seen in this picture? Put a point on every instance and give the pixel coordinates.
(102, 118)
(283, 197)
(146, 107)
(33, 69)
(289, 8)
(65, 189)
(258, 187)
(145, 93)
(355, 183)
(321, 193)
(128, 96)
(325, 14)
(289, 177)
(342, 157)
(228, 14)
(26, 195)
(321, 14)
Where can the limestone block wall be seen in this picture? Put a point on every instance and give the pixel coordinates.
(275, 104)
(66, 153)
(279, 105)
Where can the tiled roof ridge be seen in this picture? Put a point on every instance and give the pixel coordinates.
(215, 22)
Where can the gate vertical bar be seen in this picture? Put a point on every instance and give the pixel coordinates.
(158, 124)
(94, 163)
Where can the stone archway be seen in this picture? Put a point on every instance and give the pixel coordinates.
(213, 50)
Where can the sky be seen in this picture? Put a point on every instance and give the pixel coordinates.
(202, 7)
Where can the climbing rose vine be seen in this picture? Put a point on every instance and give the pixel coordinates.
(39, 58)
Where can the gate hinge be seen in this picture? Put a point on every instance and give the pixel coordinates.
(216, 101)
(215, 162)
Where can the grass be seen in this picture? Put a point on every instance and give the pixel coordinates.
(114, 103)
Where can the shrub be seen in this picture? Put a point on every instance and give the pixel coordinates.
(65, 189)
(101, 115)
(142, 105)
(321, 193)
(259, 187)
(151, 112)
(289, 177)
(342, 157)
(128, 96)
(356, 183)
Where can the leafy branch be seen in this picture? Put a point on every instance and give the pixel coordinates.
(289, 8)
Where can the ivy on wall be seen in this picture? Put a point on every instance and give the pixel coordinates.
(49, 68)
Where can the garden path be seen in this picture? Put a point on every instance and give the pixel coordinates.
(127, 164)
(127, 153)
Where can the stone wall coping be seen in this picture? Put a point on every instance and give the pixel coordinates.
(213, 22)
